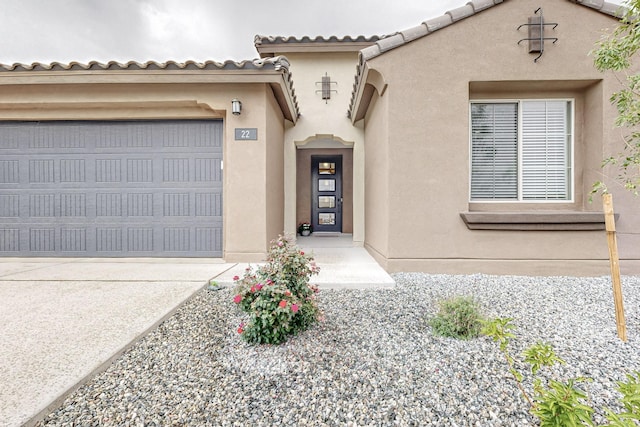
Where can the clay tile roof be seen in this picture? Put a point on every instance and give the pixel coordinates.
(278, 64)
(266, 40)
(401, 38)
(280, 45)
(605, 7)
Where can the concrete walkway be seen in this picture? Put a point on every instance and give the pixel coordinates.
(64, 319)
(341, 265)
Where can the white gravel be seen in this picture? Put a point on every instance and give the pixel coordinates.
(373, 361)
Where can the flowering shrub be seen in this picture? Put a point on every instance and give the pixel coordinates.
(277, 296)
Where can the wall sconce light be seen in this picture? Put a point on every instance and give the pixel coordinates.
(236, 107)
(326, 87)
(536, 37)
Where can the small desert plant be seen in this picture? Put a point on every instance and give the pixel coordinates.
(457, 317)
(558, 403)
(630, 391)
(278, 297)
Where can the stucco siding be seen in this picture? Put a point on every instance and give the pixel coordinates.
(319, 116)
(376, 174)
(274, 171)
(428, 141)
(324, 125)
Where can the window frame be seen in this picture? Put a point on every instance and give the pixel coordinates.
(572, 168)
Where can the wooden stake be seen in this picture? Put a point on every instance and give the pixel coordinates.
(610, 224)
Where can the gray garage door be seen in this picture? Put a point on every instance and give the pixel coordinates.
(111, 189)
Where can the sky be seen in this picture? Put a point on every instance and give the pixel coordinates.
(161, 30)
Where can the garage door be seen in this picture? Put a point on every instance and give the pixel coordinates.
(111, 189)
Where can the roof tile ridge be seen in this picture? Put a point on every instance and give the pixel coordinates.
(427, 27)
(278, 63)
(606, 7)
(262, 39)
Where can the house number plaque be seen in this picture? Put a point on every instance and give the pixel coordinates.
(247, 134)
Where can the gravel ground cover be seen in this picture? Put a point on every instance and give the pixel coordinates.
(373, 361)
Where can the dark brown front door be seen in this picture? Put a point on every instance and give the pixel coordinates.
(326, 193)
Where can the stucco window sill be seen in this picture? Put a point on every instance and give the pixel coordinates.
(536, 221)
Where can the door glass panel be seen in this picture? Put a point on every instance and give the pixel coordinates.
(326, 202)
(326, 185)
(326, 168)
(327, 219)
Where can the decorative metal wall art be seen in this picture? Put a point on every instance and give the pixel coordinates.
(326, 87)
(536, 26)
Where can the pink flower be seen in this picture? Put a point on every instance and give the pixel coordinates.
(287, 293)
(280, 244)
(283, 304)
(294, 308)
(259, 286)
(237, 299)
(240, 330)
(301, 252)
(236, 278)
(253, 289)
(269, 282)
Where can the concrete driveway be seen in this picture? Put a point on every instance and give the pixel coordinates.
(63, 319)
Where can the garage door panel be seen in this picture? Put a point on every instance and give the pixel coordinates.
(9, 240)
(9, 205)
(9, 171)
(111, 189)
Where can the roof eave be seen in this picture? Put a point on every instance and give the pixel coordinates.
(268, 46)
(357, 110)
(402, 38)
(282, 49)
(271, 71)
(371, 82)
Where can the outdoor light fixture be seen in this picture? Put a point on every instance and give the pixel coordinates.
(536, 37)
(326, 87)
(236, 107)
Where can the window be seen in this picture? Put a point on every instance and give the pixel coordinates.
(521, 151)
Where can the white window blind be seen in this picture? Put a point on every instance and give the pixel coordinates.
(546, 166)
(521, 150)
(494, 158)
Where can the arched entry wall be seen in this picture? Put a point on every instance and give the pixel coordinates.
(298, 182)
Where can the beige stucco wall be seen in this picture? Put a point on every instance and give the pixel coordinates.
(324, 124)
(274, 169)
(430, 83)
(377, 179)
(318, 116)
(253, 170)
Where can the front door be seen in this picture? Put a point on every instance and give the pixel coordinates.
(326, 193)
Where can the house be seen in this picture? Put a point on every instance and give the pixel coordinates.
(468, 143)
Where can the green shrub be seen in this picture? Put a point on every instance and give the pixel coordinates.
(277, 296)
(457, 317)
(558, 403)
(630, 391)
(561, 404)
